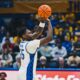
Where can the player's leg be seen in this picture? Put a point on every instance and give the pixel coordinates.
(35, 77)
(21, 75)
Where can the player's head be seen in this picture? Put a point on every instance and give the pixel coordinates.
(24, 33)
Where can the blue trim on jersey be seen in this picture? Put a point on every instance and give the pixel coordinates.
(29, 73)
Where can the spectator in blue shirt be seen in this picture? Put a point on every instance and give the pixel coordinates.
(54, 21)
(67, 44)
(31, 22)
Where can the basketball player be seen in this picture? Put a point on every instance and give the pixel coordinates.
(28, 50)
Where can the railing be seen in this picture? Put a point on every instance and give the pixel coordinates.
(47, 69)
(46, 74)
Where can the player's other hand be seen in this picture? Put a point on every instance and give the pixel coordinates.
(41, 19)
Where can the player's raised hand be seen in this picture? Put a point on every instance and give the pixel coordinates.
(48, 38)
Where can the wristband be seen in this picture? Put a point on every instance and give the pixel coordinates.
(41, 24)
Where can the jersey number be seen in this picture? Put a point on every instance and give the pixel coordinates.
(22, 55)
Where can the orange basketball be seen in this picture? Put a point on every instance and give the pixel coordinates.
(44, 11)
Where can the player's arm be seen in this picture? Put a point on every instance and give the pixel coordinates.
(48, 38)
(33, 45)
(38, 32)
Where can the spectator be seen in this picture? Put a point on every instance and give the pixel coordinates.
(62, 63)
(56, 29)
(74, 60)
(45, 51)
(71, 20)
(77, 46)
(74, 39)
(67, 33)
(59, 51)
(16, 39)
(2, 62)
(8, 45)
(17, 64)
(31, 22)
(7, 58)
(2, 33)
(67, 44)
(10, 48)
(7, 37)
(61, 35)
(43, 62)
(16, 44)
(54, 21)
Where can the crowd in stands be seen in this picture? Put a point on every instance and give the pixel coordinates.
(62, 52)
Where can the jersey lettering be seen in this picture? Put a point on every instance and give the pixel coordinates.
(22, 54)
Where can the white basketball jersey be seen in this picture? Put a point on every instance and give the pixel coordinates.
(28, 52)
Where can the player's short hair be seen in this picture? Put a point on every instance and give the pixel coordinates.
(22, 31)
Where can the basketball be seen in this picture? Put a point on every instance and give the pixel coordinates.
(44, 11)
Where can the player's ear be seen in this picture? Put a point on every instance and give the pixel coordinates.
(23, 36)
(28, 31)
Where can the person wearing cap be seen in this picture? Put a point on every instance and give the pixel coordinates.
(42, 62)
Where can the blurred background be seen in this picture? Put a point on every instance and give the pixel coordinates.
(62, 52)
